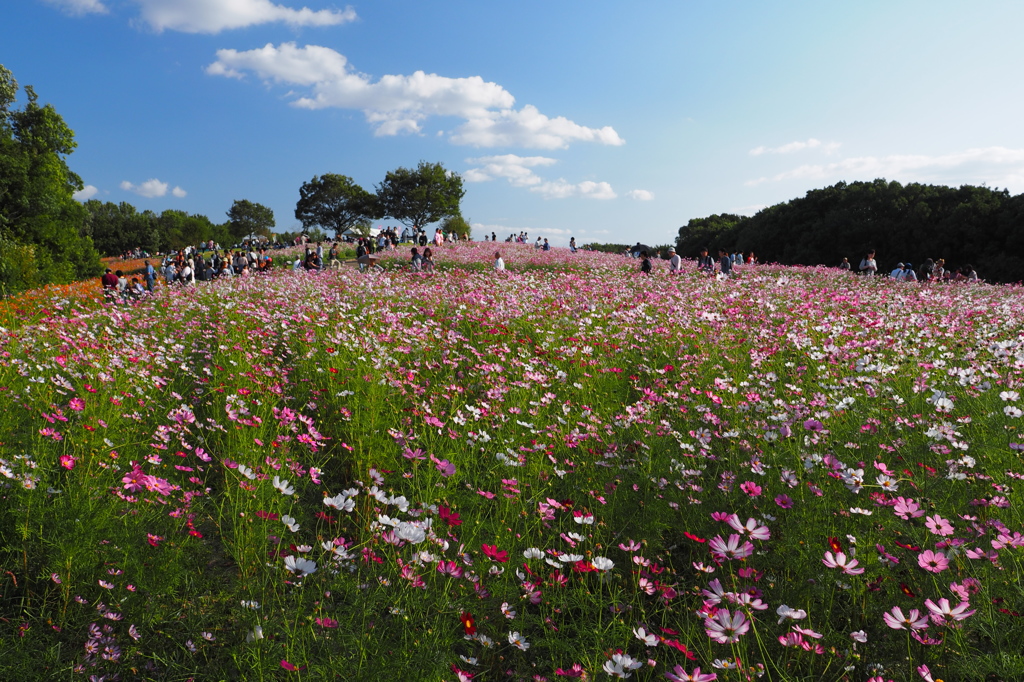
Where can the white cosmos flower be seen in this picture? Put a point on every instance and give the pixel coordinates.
(283, 487)
(302, 567)
(533, 553)
(257, 633)
(649, 639)
(518, 641)
(290, 523)
(1012, 412)
(341, 502)
(787, 613)
(603, 563)
(247, 472)
(1009, 395)
(570, 558)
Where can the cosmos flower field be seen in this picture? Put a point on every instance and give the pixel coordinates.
(564, 471)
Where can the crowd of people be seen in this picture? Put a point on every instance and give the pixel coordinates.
(929, 271)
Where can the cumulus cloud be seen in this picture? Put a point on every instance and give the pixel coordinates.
(518, 171)
(796, 147)
(640, 194)
(997, 166)
(79, 7)
(515, 169)
(214, 16)
(560, 189)
(399, 104)
(152, 188)
(84, 194)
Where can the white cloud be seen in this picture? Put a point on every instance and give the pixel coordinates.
(84, 194)
(179, 192)
(516, 169)
(396, 104)
(79, 7)
(640, 194)
(798, 146)
(560, 189)
(214, 16)
(996, 166)
(150, 189)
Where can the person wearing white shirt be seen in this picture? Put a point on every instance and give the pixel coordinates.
(675, 263)
(898, 274)
(499, 264)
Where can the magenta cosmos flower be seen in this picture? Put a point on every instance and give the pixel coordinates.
(933, 562)
(938, 525)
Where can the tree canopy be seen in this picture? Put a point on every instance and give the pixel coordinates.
(248, 218)
(904, 223)
(422, 196)
(335, 202)
(42, 227)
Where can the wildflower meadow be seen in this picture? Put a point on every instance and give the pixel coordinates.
(564, 470)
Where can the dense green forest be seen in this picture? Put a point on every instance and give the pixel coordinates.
(904, 223)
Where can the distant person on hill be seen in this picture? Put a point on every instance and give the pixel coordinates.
(845, 265)
(547, 246)
(675, 263)
(868, 267)
(572, 244)
(645, 263)
(499, 264)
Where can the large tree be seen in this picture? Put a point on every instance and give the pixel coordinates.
(42, 227)
(247, 218)
(335, 202)
(422, 196)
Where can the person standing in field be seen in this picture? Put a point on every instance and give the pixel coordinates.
(704, 262)
(499, 264)
(897, 272)
(572, 244)
(724, 263)
(150, 275)
(908, 273)
(645, 263)
(675, 263)
(845, 265)
(868, 267)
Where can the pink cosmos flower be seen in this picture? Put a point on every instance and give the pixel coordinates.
(68, 462)
(750, 488)
(943, 612)
(731, 549)
(679, 674)
(840, 560)
(784, 501)
(906, 509)
(938, 525)
(76, 404)
(751, 528)
(897, 621)
(725, 627)
(933, 562)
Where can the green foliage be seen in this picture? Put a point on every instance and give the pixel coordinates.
(617, 249)
(963, 225)
(335, 202)
(422, 196)
(248, 218)
(458, 225)
(41, 224)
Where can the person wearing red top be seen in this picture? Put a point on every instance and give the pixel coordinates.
(109, 281)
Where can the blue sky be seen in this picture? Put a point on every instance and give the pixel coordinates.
(605, 121)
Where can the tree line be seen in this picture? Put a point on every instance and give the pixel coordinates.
(903, 223)
(46, 236)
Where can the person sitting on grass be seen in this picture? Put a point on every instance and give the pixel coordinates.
(417, 260)
(499, 264)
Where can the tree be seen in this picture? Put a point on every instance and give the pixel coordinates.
(42, 226)
(247, 218)
(419, 197)
(458, 225)
(335, 202)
